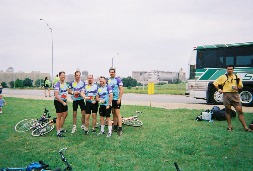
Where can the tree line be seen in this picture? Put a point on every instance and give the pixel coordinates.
(27, 82)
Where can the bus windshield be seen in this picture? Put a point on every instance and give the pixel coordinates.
(221, 57)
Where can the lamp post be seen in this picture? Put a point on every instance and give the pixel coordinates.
(114, 57)
(52, 49)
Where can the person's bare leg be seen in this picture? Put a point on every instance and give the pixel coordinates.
(74, 117)
(241, 116)
(64, 116)
(83, 117)
(228, 117)
(94, 120)
(58, 122)
(87, 121)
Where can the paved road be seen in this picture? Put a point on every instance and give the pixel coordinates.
(164, 101)
(126, 97)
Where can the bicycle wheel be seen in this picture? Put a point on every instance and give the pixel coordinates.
(25, 125)
(129, 122)
(137, 123)
(42, 130)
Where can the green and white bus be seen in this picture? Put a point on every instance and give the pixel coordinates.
(208, 62)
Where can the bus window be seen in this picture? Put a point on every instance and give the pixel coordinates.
(244, 61)
(230, 60)
(192, 72)
(192, 64)
(220, 62)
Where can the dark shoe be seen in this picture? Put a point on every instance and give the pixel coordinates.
(60, 135)
(229, 129)
(93, 130)
(120, 132)
(86, 132)
(108, 135)
(251, 126)
(115, 128)
(100, 133)
(248, 130)
(63, 130)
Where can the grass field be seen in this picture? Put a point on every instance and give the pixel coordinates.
(175, 89)
(166, 136)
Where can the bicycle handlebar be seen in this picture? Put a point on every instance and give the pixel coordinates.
(63, 149)
(46, 112)
(69, 167)
(176, 165)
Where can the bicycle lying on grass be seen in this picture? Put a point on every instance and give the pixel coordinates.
(129, 121)
(39, 126)
(41, 166)
(133, 120)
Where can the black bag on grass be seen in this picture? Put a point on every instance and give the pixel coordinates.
(220, 115)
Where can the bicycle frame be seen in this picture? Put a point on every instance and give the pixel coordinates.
(39, 126)
(63, 158)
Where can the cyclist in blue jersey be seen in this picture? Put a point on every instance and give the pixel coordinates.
(104, 96)
(117, 88)
(89, 93)
(75, 88)
(60, 103)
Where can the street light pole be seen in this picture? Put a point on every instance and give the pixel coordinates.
(114, 57)
(52, 49)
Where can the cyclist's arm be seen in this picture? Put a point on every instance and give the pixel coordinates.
(59, 99)
(121, 90)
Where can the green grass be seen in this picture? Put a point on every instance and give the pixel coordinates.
(165, 137)
(175, 89)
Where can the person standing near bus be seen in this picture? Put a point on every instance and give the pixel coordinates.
(117, 88)
(231, 84)
(75, 89)
(89, 93)
(60, 103)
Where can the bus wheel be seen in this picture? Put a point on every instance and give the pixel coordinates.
(246, 96)
(216, 97)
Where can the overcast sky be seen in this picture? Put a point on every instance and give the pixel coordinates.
(138, 34)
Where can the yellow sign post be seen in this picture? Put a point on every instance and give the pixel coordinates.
(151, 90)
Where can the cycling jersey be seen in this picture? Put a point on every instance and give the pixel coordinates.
(74, 86)
(103, 94)
(115, 83)
(91, 91)
(62, 89)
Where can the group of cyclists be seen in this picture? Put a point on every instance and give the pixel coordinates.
(91, 97)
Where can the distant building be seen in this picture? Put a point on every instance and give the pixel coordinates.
(84, 75)
(140, 76)
(10, 69)
(158, 76)
(69, 77)
(10, 75)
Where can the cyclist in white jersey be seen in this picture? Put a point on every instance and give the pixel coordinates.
(89, 93)
(60, 103)
(75, 89)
